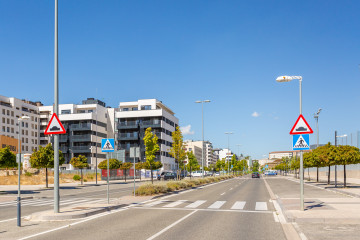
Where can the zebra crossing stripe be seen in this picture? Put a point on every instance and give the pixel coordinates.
(217, 204)
(238, 205)
(261, 206)
(154, 203)
(174, 204)
(195, 204)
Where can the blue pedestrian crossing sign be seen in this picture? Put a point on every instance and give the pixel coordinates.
(107, 145)
(301, 142)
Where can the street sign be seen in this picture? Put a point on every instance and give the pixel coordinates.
(301, 126)
(301, 142)
(134, 152)
(107, 145)
(55, 126)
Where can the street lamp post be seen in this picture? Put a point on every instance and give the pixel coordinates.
(19, 171)
(316, 116)
(238, 145)
(228, 133)
(288, 79)
(342, 138)
(202, 127)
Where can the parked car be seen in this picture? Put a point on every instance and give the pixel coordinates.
(161, 176)
(255, 175)
(270, 173)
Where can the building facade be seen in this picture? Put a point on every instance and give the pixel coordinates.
(198, 146)
(11, 109)
(133, 118)
(85, 124)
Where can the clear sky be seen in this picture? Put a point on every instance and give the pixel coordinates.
(229, 52)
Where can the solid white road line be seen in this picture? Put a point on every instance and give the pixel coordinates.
(238, 205)
(195, 204)
(222, 194)
(171, 225)
(261, 206)
(174, 204)
(217, 204)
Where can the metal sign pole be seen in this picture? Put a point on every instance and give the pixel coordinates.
(108, 176)
(134, 170)
(56, 111)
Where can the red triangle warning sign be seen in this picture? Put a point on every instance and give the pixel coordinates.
(301, 126)
(55, 126)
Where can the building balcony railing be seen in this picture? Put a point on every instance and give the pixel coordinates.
(151, 123)
(63, 138)
(127, 125)
(81, 138)
(64, 149)
(80, 127)
(128, 136)
(5, 104)
(81, 149)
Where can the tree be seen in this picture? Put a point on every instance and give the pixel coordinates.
(80, 162)
(220, 164)
(255, 166)
(326, 154)
(113, 164)
(192, 162)
(125, 166)
(7, 158)
(151, 147)
(346, 154)
(244, 165)
(177, 150)
(233, 162)
(44, 158)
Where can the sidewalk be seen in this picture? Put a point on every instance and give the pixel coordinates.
(343, 207)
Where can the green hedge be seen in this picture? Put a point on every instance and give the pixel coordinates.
(165, 187)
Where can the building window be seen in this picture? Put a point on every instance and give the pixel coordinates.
(67, 111)
(135, 108)
(12, 121)
(8, 112)
(12, 113)
(3, 111)
(8, 121)
(146, 107)
(125, 109)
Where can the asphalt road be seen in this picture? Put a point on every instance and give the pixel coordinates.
(235, 209)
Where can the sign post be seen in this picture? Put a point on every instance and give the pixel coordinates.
(55, 127)
(107, 145)
(133, 154)
(300, 132)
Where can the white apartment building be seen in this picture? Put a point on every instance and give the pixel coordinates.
(209, 155)
(85, 124)
(133, 118)
(191, 146)
(225, 153)
(11, 109)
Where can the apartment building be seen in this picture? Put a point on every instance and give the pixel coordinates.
(85, 124)
(133, 118)
(225, 153)
(11, 109)
(198, 146)
(191, 146)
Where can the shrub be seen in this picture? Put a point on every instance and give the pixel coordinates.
(173, 185)
(76, 177)
(28, 174)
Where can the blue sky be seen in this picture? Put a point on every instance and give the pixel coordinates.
(181, 51)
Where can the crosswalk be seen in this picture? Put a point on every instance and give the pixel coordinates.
(44, 202)
(204, 204)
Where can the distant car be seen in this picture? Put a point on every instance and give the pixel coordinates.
(172, 176)
(270, 173)
(161, 176)
(255, 175)
(196, 174)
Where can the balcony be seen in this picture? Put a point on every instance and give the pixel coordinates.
(128, 136)
(63, 138)
(151, 123)
(81, 138)
(80, 127)
(127, 125)
(81, 149)
(64, 149)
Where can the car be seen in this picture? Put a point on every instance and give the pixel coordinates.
(270, 173)
(255, 175)
(161, 176)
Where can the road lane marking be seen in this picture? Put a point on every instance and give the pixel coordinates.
(217, 204)
(195, 204)
(155, 203)
(171, 225)
(275, 217)
(238, 205)
(174, 204)
(222, 194)
(261, 206)
(204, 210)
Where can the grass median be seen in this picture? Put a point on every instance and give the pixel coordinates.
(170, 186)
